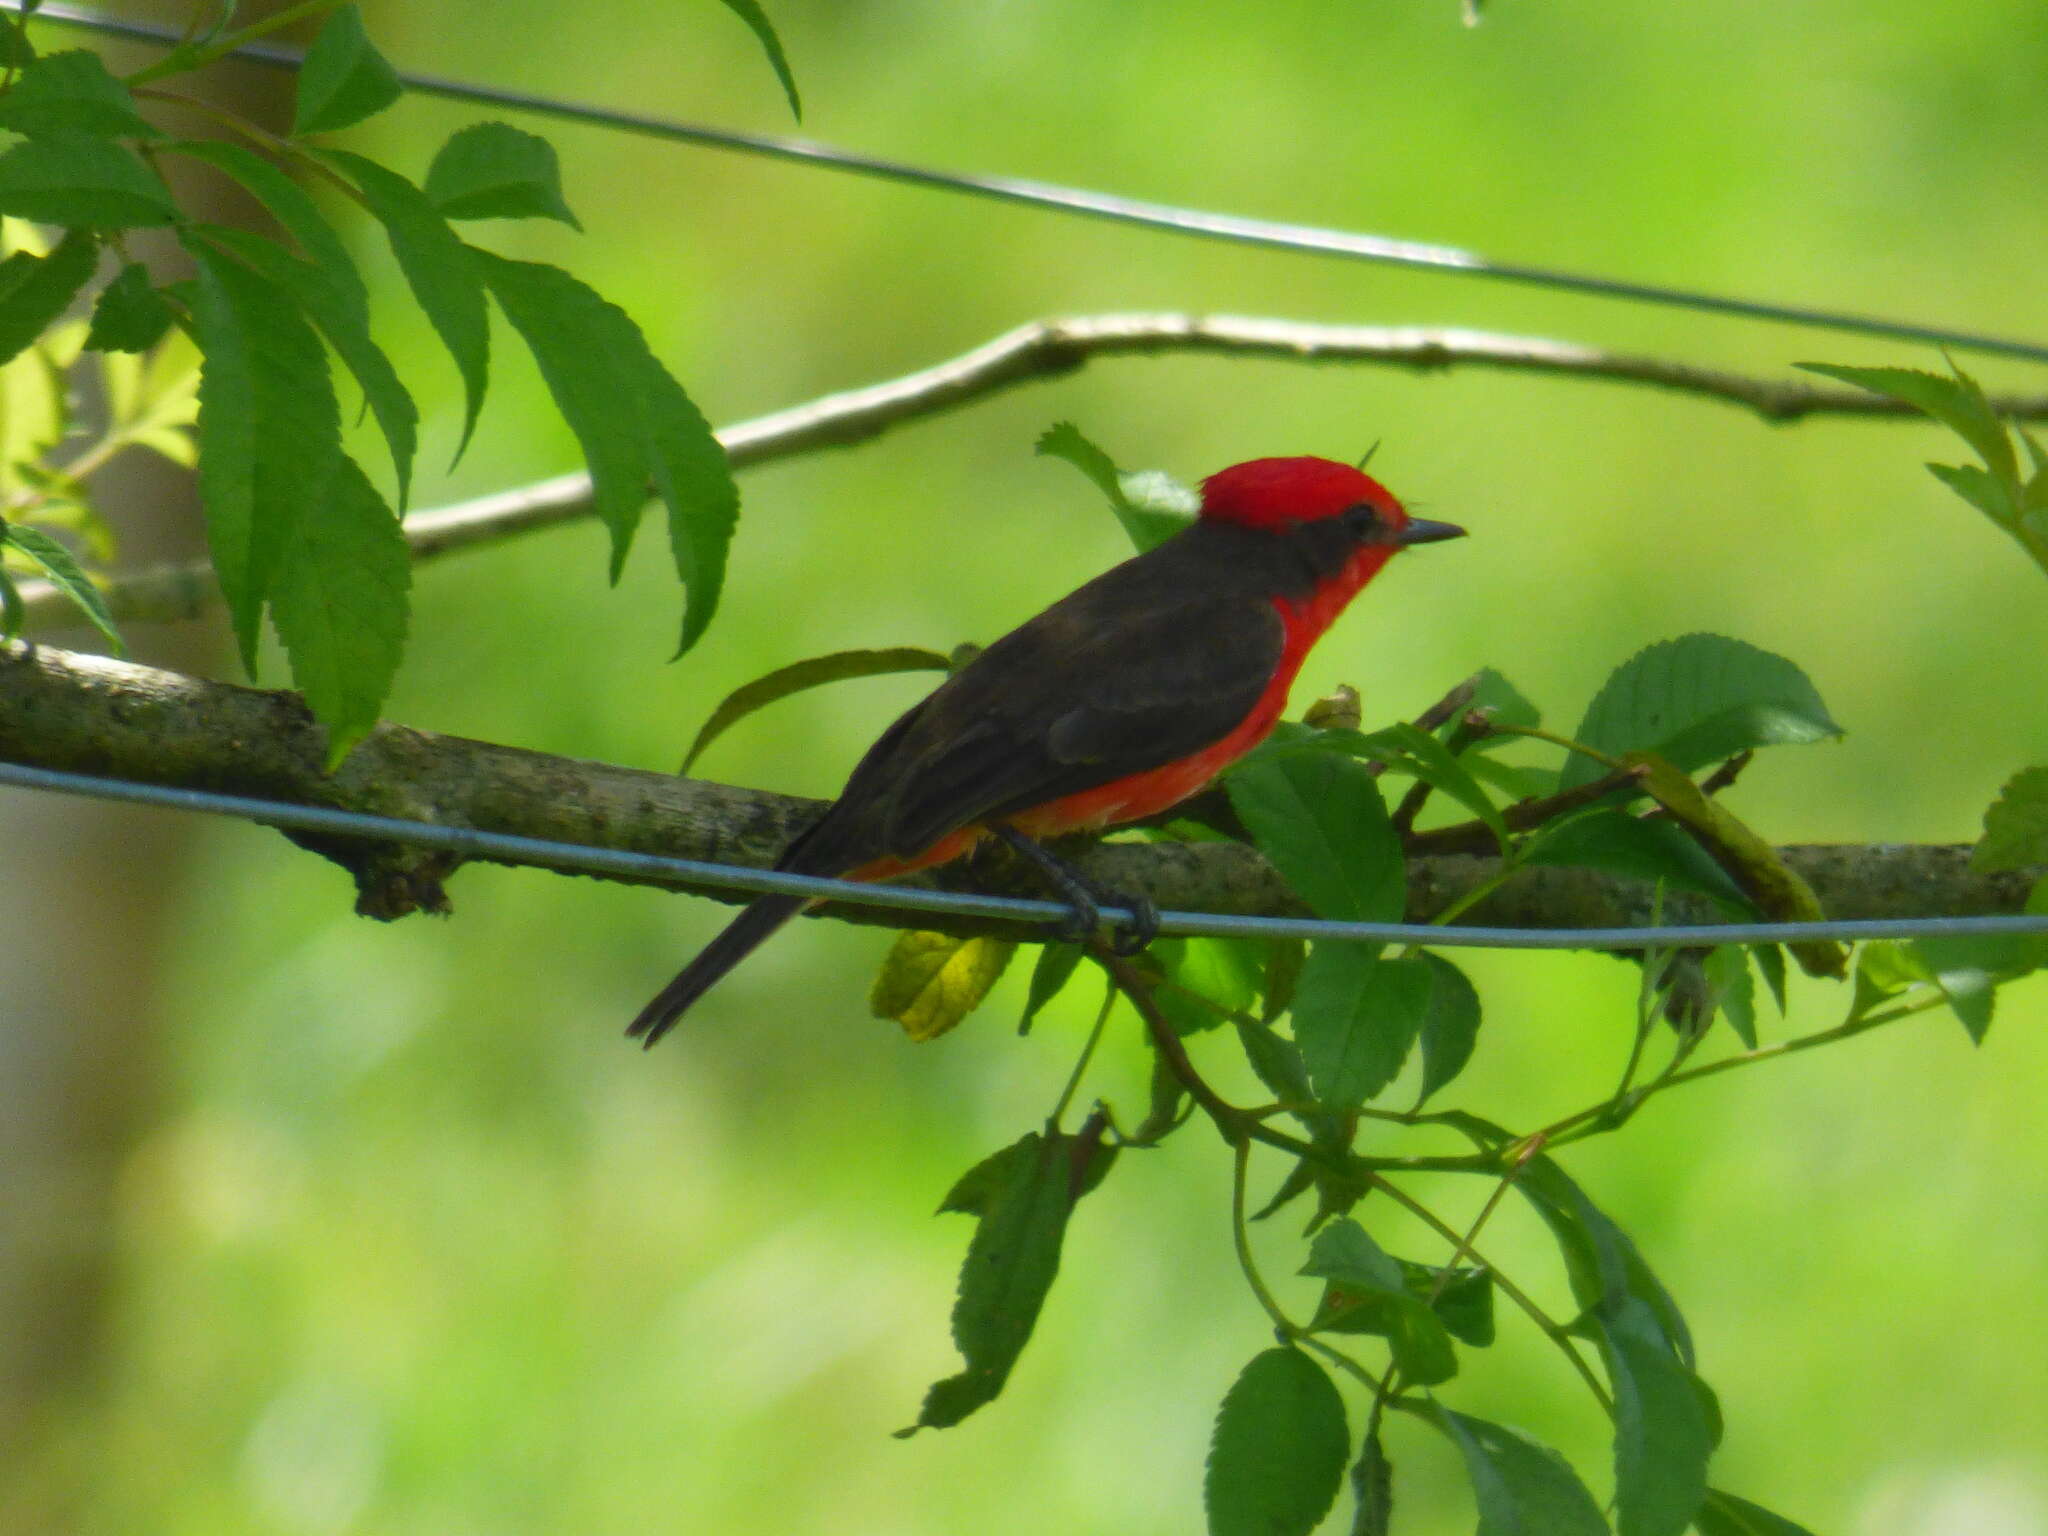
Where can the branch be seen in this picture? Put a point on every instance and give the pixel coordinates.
(1044, 349)
(90, 714)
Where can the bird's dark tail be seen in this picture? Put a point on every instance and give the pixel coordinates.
(742, 936)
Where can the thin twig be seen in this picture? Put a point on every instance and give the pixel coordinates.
(1044, 349)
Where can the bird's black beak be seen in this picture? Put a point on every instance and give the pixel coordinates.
(1420, 530)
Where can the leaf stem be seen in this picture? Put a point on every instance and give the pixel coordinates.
(187, 57)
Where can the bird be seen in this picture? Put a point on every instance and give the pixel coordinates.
(1116, 703)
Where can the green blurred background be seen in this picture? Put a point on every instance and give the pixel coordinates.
(403, 1237)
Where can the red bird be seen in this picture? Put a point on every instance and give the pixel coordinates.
(1120, 700)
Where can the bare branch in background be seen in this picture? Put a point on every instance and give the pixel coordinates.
(1044, 349)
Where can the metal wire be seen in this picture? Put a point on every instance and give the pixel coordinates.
(581, 856)
(1184, 221)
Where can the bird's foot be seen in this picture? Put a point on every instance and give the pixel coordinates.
(1086, 900)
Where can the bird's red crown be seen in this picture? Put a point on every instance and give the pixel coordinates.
(1271, 493)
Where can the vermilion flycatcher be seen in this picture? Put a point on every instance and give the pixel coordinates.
(1120, 700)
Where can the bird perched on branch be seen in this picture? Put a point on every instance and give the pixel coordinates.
(1119, 701)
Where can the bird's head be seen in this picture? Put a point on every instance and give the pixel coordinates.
(1278, 495)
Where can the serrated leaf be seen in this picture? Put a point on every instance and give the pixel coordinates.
(813, 672)
(1602, 1263)
(1450, 1025)
(1956, 403)
(1146, 528)
(441, 270)
(129, 315)
(931, 981)
(1609, 838)
(1507, 704)
(2015, 825)
(71, 93)
(1522, 1488)
(1732, 990)
(66, 575)
(269, 428)
(1981, 489)
(1009, 1269)
(496, 171)
(1054, 968)
(1723, 1514)
(757, 22)
(1355, 1016)
(79, 182)
(345, 324)
(1776, 890)
(1464, 1302)
(1372, 1489)
(978, 1190)
(1422, 756)
(1319, 817)
(1368, 1294)
(1276, 1061)
(339, 600)
(1663, 1430)
(633, 420)
(293, 208)
(1696, 700)
(1277, 1457)
(1211, 979)
(35, 290)
(344, 78)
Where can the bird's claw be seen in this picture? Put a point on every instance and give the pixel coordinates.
(1143, 927)
(1082, 918)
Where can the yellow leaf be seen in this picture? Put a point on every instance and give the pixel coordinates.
(931, 981)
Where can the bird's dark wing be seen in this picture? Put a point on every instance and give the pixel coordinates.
(1073, 700)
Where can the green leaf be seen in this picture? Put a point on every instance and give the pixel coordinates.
(1507, 704)
(129, 315)
(1465, 1303)
(2015, 825)
(1696, 700)
(1372, 1486)
(978, 1190)
(1609, 838)
(1368, 1294)
(1355, 1017)
(441, 270)
(1010, 1268)
(66, 575)
(35, 290)
(79, 182)
(1733, 990)
(756, 19)
(269, 428)
(813, 672)
(1969, 968)
(344, 78)
(71, 93)
(1723, 1514)
(1523, 1488)
(1319, 817)
(496, 171)
(1664, 1429)
(1422, 756)
(1980, 488)
(293, 208)
(1055, 968)
(1601, 1262)
(1145, 527)
(345, 323)
(1277, 1457)
(338, 599)
(1449, 1027)
(931, 981)
(1276, 1061)
(1225, 974)
(1956, 403)
(633, 420)
(1770, 961)
(13, 613)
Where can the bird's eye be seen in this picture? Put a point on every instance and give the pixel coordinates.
(1364, 520)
